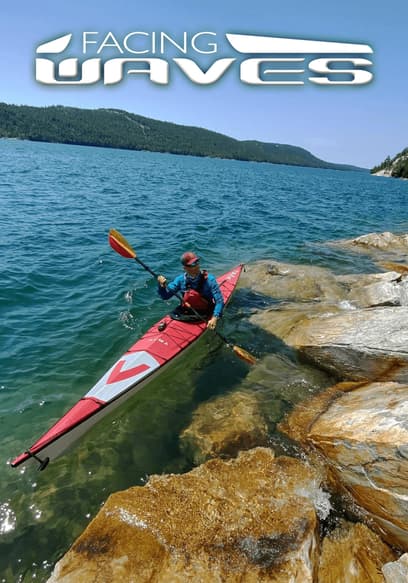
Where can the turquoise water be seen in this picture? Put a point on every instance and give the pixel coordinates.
(70, 306)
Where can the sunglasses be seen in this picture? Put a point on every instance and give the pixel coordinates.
(194, 264)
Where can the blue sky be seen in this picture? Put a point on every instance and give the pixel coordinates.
(356, 125)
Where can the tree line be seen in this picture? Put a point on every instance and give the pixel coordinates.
(115, 128)
(397, 166)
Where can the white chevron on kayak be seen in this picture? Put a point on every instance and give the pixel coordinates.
(128, 370)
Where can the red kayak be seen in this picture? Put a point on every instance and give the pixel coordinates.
(144, 361)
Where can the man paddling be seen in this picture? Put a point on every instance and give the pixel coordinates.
(201, 292)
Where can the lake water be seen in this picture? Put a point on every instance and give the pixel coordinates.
(70, 306)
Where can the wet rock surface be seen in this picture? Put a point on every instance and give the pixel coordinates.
(352, 553)
(362, 432)
(250, 519)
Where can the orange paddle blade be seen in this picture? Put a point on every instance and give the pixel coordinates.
(244, 355)
(120, 245)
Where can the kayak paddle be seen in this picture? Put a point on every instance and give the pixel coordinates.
(119, 244)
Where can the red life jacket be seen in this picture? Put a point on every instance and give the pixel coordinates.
(192, 297)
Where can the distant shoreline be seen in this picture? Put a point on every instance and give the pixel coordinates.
(120, 129)
(107, 147)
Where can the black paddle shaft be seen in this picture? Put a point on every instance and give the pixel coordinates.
(146, 267)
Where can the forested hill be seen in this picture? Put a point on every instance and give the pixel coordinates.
(396, 167)
(115, 128)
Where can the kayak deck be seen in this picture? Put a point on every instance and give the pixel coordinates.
(159, 346)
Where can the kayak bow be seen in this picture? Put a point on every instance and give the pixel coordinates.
(147, 358)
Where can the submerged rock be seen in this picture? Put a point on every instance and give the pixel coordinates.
(352, 553)
(243, 419)
(275, 377)
(362, 432)
(224, 426)
(248, 520)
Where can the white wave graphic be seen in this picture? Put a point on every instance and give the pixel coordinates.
(254, 44)
(58, 45)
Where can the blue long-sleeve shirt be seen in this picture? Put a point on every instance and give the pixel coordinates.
(210, 290)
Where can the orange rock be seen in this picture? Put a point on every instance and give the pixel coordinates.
(354, 554)
(361, 430)
(250, 519)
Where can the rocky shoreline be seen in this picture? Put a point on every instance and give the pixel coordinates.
(334, 507)
(395, 168)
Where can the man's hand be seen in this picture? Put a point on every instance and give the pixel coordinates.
(162, 281)
(212, 322)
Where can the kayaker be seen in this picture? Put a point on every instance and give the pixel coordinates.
(199, 288)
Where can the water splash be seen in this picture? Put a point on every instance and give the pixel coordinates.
(319, 498)
(322, 504)
(127, 320)
(129, 297)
